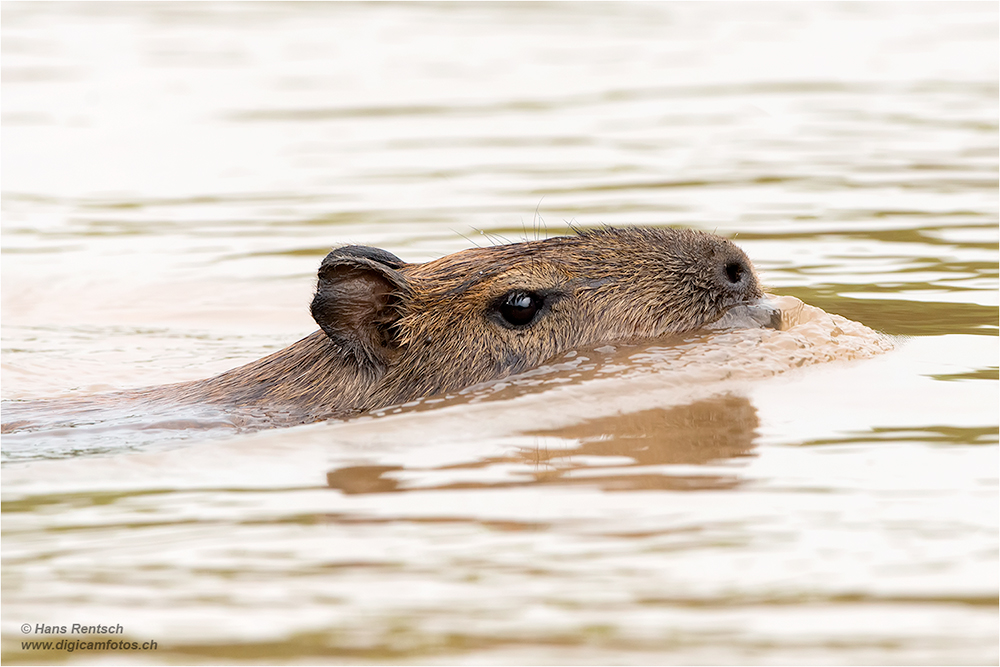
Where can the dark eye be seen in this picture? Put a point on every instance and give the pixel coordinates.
(519, 308)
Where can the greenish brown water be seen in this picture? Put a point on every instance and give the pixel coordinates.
(174, 173)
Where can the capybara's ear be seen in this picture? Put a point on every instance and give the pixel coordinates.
(359, 298)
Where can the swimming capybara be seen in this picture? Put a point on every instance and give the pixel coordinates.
(391, 332)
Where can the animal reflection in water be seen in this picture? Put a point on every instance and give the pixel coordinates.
(713, 429)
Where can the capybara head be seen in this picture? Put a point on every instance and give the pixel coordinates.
(484, 313)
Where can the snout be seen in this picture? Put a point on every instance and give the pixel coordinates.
(763, 313)
(733, 276)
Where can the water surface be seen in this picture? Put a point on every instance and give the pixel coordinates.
(173, 174)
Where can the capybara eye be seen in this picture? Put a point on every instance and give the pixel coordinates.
(734, 272)
(519, 308)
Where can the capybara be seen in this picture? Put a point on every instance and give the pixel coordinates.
(391, 332)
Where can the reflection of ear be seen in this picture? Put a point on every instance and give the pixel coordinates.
(359, 298)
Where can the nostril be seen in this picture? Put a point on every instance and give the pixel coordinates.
(734, 272)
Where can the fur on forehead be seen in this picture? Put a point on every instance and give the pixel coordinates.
(465, 279)
(553, 258)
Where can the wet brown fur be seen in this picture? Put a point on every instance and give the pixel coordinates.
(394, 332)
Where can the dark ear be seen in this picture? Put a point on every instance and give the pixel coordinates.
(359, 298)
(365, 252)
